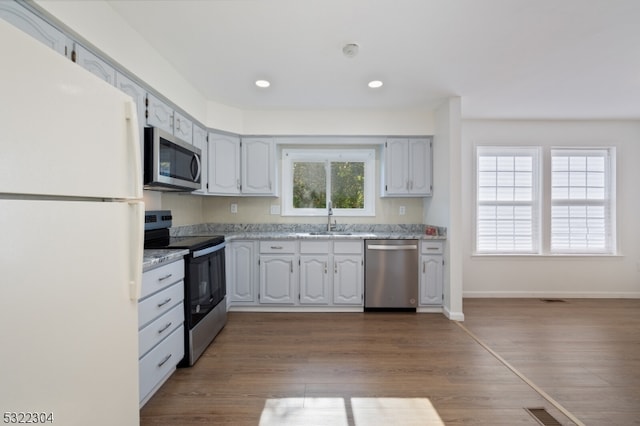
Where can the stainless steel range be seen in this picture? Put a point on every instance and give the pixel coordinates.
(205, 305)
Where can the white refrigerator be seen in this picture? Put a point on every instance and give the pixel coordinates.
(71, 241)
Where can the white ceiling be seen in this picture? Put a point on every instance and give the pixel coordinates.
(505, 58)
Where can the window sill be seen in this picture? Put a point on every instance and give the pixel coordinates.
(547, 256)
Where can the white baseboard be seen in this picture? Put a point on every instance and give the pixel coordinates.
(453, 316)
(552, 294)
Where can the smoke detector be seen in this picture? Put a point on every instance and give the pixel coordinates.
(350, 50)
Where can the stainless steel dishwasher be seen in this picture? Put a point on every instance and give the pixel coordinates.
(391, 274)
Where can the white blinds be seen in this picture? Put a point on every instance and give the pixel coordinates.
(581, 201)
(507, 200)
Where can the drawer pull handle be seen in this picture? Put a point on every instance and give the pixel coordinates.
(433, 248)
(277, 247)
(160, 305)
(424, 267)
(165, 327)
(164, 361)
(166, 277)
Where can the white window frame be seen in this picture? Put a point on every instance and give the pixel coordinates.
(365, 155)
(582, 240)
(534, 203)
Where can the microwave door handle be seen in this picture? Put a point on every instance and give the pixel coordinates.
(197, 158)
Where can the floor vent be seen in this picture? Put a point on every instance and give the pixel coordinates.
(543, 417)
(553, 300)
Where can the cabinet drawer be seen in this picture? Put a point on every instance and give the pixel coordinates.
(348, 247)
(161, 361)
(159, 303)
(431, 247)
(314, 247)
(277, 246)
(162, 277)
(157, 330)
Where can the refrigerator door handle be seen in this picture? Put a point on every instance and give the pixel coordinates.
(137, 248)
(133, 139)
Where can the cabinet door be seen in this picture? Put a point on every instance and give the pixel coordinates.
(314, 279)
(224, 164)
(277, 279)
(182, 127)
(420, 167)
(38, 28)
(258, 159)
(92, 63)
(159, 114)
(200, 141)
(431, 280)
(138, 94)
(241, 271)
(347, 280)
(396, 167)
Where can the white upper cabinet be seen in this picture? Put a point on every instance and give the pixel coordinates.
(258, 166)
(223, 174)
(92, 63)
(406, 170)
(38, 28)
(182, 127)
(244, 166)
(159, 114)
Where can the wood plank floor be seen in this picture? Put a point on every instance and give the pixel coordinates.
(412, 369)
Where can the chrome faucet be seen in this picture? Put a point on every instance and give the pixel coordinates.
(329, 214)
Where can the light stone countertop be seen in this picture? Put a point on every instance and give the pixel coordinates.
(333, 236)
(310, 231)
(156, 257)
(153, 258)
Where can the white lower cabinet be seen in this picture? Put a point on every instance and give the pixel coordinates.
(315, 272)
(314, 280)
(347, 280)
(277, 279)
(242, 272)
(431, 276)
(348, 276)
(160, 326)
(296, 274)
(278, 272)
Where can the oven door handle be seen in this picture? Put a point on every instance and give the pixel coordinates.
(208, 250)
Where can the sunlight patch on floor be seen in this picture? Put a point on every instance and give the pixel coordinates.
(349, 412)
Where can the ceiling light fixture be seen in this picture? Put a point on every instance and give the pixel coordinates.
(375, 84)
(263, 83)
(350, 50)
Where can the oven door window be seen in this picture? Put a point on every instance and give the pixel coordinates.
(206, 286)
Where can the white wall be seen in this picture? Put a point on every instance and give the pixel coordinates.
(443, 209)
(555, 276)
(339, 122)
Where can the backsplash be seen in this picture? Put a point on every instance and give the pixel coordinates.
(228, 228)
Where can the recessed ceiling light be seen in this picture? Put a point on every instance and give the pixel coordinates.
(262, 83)
(375, 84)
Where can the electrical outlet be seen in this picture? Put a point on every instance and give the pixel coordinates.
(275, 208)
(234, 208)
(403, 210)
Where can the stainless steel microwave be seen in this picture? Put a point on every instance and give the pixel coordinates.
(170, 164)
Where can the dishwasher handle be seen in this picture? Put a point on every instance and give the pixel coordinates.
(392, 247)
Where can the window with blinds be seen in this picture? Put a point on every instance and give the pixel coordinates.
(581, 201)
(507, 210)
